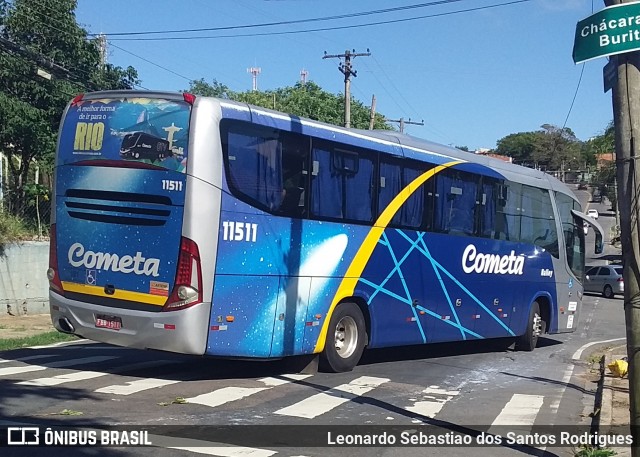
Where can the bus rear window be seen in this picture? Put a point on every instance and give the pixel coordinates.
(149, 130)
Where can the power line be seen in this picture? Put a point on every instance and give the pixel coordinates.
(297, 21)
(325, 29)
(152, 63)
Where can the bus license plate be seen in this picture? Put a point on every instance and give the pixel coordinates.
(110, 322)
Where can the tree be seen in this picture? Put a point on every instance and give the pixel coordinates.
(216, 89)
(303, 100)
(519, 146)
(43, 35)
(604, 178)
(550, 148)
(558, 148)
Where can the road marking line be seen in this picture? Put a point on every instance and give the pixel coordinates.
(324, 402)
(555, 404)
(225, 395)
(578, 353)
(60, 345)
(520, 410)
(133, 387)
(84, 375)
(24, 359)
(62, 364)
(434, 400)
(63, 378)
(223, 451)
(228, 394)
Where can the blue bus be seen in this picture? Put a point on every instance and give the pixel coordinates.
(264, 235)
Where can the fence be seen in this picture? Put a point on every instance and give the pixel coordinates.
(25, 204)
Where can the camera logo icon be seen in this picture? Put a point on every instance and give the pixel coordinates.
(23, 436)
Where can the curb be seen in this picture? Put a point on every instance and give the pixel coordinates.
(610, 388)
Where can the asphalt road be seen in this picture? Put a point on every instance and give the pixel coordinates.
(185, 402)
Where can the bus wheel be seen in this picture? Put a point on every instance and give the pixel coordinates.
(607, 292)
(529, 340)
(345, 339)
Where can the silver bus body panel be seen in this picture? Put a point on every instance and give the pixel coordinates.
(181, 332)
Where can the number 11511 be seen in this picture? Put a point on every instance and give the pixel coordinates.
(239, 231)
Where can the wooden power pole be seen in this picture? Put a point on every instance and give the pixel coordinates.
(626, 116)
(402, 123)
(347, 70)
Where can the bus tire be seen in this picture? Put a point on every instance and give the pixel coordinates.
(529, 340)
(346, 338)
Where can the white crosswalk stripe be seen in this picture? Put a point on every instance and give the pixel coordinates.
(26, 359)
(136, 386)
(520, 410)
(85, 375)
(61, 364)
(326, 401)
(228, 394)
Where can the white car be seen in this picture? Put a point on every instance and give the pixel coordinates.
(593, 213)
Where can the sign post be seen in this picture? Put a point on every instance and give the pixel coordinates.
(613, 30)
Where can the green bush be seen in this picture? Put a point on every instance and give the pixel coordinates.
(12, 229)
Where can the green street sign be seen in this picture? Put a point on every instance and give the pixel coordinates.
(613, 30)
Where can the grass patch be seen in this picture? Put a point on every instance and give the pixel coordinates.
(593, 451)
(35, 340)
(12, 228)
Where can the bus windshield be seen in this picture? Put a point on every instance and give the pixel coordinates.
(147, 130)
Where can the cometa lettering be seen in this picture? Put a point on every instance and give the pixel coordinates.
(136, 264)
(475, 262)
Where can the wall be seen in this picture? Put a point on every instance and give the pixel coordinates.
(24, 288)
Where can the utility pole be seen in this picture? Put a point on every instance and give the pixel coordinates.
(403, 123)
(626, 117)
(303, 76)
(255, 71)
(372, 118)
(102, 49)
(346, 69)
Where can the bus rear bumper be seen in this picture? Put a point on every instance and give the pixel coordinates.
(184, 331)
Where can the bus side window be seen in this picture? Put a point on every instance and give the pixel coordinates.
(343, 183)
(455, 202)
(295, 175)
(487, 208)
(509, 216)
(538, 221)
(394, 177)
(254, 158)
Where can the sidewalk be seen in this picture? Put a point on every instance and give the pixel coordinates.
(615, 399)
(23, 325)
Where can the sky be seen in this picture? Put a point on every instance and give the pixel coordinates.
(473, 71)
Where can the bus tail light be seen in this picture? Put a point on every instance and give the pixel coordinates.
(52, 271)
(189, 98)
(187, 290)
(77, 99)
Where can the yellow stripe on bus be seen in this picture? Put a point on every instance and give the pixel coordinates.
(118, 294)
(360, 260)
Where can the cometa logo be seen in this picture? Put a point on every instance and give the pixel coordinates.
(474, 262)
(137, 264)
